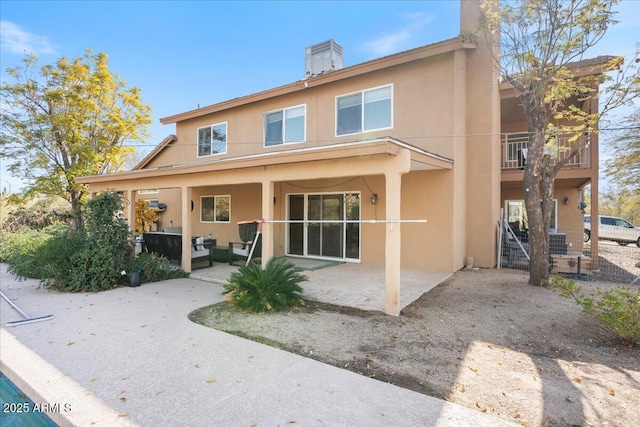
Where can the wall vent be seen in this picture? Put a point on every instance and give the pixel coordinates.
(323, 58)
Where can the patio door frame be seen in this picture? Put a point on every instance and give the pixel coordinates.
(554, 213)
(344, 222)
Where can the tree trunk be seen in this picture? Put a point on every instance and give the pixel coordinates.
(534, 189)
(547, 209)
(76, 210)
(538, 236)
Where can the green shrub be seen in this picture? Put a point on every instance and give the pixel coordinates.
(35, 217)
(40, 254)
(108, 249)
(254, 290)
(55, 255)
(91, 271)
(81, 261)
(20, 250)
(154, 268)
(617, 309)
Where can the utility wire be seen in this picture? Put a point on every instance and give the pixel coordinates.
(402, 138)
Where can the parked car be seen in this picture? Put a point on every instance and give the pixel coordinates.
(612, 228)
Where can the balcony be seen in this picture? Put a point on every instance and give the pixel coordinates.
(514, 148)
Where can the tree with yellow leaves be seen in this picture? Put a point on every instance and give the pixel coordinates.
(145, 216)
(66, 120)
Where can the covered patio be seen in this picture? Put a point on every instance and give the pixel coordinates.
(385, 159)
(347, 284)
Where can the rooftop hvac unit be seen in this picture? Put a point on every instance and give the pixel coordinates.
(323, 57)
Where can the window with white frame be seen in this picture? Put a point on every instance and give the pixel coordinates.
(364, 111)
(212, 139)
(284, 126)
(215, 208)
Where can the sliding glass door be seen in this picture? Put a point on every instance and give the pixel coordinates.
(324, 225)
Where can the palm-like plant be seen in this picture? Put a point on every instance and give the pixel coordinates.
(254, 290)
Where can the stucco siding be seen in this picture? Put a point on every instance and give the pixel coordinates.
(422, 106)
(427, 195)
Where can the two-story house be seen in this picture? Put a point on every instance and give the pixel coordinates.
(401, 139)
(581, 170)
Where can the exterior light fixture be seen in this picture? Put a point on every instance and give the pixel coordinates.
(566, 200)
(374, 199)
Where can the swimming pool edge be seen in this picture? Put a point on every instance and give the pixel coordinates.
(45, 384)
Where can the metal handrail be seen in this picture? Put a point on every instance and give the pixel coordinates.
(514, 150)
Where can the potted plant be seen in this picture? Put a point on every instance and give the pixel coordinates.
(133, 277)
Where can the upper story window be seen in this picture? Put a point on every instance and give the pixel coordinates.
(364, 111)
(284, 126)
(212, 139)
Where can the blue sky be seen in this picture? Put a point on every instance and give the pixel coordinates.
(183, 54)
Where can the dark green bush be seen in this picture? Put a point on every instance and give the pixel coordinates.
(107, 251)
(255, 290)
(617, 309)
(21, 249)
(82, 261)
(40, 254)
(154, 268)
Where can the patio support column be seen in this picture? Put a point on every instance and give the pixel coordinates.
(268, 192)
(392, 252)
(130, 209)
(187, 196)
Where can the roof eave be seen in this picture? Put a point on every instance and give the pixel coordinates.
(384, 145)
(418, 53)
(153, 153)
(586, 67)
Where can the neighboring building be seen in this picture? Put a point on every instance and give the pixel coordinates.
(411, 136)
(569, 187)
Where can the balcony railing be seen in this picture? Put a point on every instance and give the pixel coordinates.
(514, 152)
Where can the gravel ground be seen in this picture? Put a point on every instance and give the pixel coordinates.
(484, 339)
(617, 263)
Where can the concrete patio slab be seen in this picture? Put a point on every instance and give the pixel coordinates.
(348, 284)
(133, 356)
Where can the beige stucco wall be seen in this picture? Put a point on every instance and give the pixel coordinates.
(421, 114)
(427, 195)
(445, 101)
(483, 154)
(425, 246)
(431, 103)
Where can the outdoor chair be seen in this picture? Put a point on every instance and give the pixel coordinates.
(249, 232)
(169, 245)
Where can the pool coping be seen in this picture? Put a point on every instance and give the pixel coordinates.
(43, 383)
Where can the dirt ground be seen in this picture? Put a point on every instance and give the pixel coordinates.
(483, 339)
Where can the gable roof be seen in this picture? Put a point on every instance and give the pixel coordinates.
(583, 67)
(153, 153)
(404, 57)
(591, 65)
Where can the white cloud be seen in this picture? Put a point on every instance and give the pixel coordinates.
(15, 39)
(387, 44)
(405, 37)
